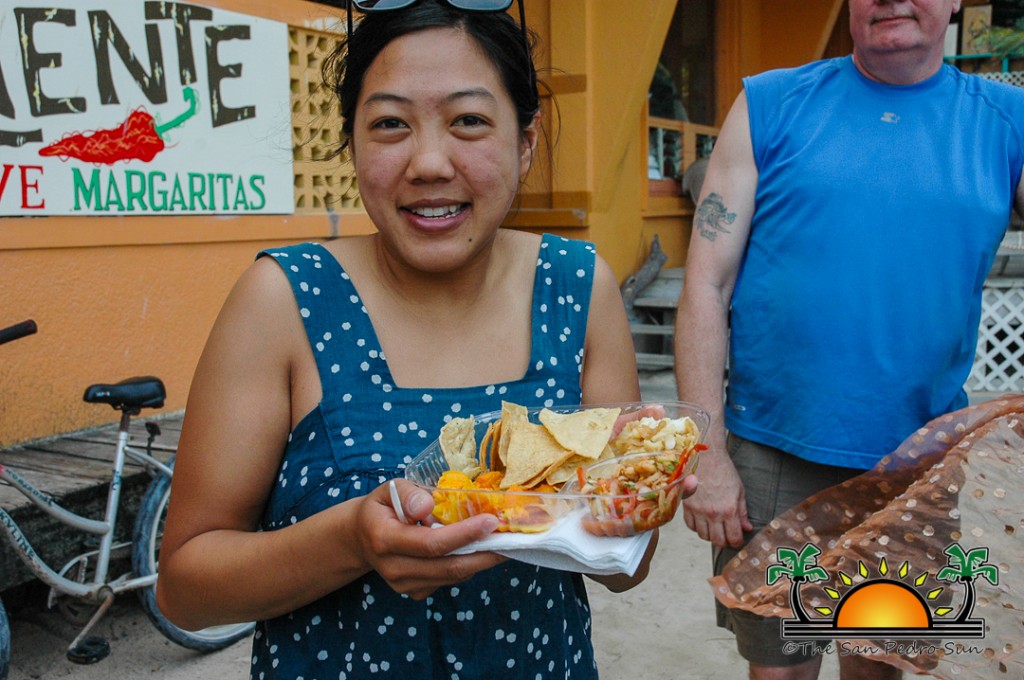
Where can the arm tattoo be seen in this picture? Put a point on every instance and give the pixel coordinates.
(712, 217)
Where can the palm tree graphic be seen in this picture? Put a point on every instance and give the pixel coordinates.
(965, 567)
(800, 568)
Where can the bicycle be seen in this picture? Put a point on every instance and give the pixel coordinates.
(85, 579)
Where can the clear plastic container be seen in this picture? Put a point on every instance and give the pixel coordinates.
(626, 514)
(535, 512)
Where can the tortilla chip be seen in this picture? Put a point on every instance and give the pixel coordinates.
(567, 470)
(609, 452)
(492, 461)
(585, 432)
(458, 443)
(510, 414)
(544, 476)
(486, 444)
(531, 451)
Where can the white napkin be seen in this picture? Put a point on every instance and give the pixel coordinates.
(569, 547)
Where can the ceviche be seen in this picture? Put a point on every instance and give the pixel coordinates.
(634, 493)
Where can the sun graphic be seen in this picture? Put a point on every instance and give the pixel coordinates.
(882, 602)
(885, 605)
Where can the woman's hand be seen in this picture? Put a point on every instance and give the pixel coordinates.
(414, 558)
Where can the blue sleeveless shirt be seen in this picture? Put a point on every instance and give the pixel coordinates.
(879, 210)
(515, 620)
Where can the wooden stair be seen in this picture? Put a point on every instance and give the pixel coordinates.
(652, 316)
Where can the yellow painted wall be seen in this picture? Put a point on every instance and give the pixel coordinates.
(601, 151)
(104, 314)
(758, 35)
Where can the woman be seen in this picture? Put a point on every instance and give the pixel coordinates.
(332, 365)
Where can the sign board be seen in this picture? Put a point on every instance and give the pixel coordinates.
(129, 107)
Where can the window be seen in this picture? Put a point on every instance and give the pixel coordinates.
(683, 86)
(681, 99)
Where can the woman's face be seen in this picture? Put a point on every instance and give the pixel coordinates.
(437, 149)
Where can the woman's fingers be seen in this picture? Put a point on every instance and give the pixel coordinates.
(422, 560)
(415, 558)
(656, 411)
(690, 484)
(416, 504)
(451, 570)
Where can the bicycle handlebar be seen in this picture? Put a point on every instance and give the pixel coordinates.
(18, 330)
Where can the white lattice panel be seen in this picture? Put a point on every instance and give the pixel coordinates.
(316, 129)
(1008, 77)
(999, 361)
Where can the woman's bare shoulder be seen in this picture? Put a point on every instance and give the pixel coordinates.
(517, 245)
(261, 312)
(351, 251)
(262, 288)
(521, 239)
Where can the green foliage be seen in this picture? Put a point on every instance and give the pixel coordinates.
(1007, 41)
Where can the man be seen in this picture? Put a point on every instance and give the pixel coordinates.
(851, 210)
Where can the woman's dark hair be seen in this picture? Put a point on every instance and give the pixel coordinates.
(497, 34)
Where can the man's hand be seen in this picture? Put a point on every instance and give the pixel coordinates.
(717, 511)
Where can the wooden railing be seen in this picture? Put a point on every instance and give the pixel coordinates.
(672, 147)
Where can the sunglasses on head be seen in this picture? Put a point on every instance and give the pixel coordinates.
(367, 6)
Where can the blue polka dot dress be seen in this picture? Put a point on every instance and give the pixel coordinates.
(515, 620)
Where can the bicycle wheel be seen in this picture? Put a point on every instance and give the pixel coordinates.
(149, 528)
(5, 642)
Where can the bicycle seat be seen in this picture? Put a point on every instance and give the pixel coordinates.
(130, 394)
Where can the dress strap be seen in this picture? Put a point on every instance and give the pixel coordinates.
(561, 302)
(331, 310)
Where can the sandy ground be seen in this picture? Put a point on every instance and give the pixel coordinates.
(662, 629)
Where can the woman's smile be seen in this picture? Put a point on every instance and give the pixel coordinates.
(436, 216)
(443, 211)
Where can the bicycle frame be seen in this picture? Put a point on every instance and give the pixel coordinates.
(130, 397)
(99, 588)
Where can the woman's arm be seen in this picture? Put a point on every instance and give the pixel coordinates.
(609, 376)
(609, 359)
(215, 566)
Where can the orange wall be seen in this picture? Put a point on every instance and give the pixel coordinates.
(758, 35)
(803, 26)
(105, 314)
(109, 312)
(116, 297)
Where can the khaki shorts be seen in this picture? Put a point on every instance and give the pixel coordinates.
(773, 482)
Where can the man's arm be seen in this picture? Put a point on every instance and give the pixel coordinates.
(721, 227)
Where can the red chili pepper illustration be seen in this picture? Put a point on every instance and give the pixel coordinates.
(137, 138)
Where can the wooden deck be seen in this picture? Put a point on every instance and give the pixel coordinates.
(75, 470)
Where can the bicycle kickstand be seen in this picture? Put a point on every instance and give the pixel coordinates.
(87, 649)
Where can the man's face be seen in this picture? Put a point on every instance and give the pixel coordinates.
(881, 27)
